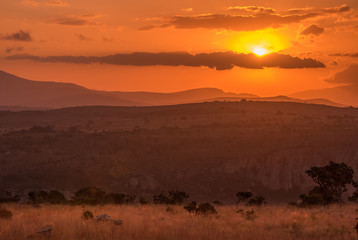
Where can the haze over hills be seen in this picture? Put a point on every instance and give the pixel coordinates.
(17, 93)
(210, 150)
(343, 94)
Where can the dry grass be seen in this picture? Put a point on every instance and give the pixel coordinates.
(154, 222)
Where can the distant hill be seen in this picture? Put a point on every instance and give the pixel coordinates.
(320, 101)
(347, 95)
(18, 93)
(210, 150)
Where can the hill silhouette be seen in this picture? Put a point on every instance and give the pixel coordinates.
(19, 93)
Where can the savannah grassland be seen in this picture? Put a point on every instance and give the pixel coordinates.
(159, 222)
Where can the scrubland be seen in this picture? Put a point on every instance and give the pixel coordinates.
(159, 222)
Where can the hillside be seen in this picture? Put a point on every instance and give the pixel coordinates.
(211, 150)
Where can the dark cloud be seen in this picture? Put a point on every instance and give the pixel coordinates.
(18, 36)
(217, 60)
(14, 49)
(349, 75)
(313, 29)
(234, 22)
(344, 55)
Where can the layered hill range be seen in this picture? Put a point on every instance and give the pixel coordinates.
(21, 94)
(210, 150)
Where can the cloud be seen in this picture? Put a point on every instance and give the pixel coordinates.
(187, 9)
(248, 18)
(354, 55)
(234, 22)
(17, 36)
(72, 21)
(340, 9)
(349, 75)
(216, 60)
(77, 20)
(54, 3)
(83, 38)
(251, 9)
(313, 30)
(14, 49)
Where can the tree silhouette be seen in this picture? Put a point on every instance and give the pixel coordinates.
(332, 182)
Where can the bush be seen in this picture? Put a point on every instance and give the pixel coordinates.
(143, 201)
(206, 209)
(52, 197)
(191, 207)
(6, 196)
(173, 197)
(90, 195)
(5, 214)
(202, 209)
(115, 198)
(256, 201)
(87, 215)
(243, 196)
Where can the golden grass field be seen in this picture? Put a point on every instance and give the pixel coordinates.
(155, 222)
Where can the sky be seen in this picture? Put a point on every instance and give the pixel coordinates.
(264, 47)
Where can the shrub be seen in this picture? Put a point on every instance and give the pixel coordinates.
(87, 215)
(5, 214)
(6, 196)
(130, 198)
(243, 196)
(206, 209)
(143, 201)
(218, 203)
(249, 215)
(115, 198)
(173, 197)
(256, 201)
(202, 209)
(52, 197)
(191, 207)
(90, 195)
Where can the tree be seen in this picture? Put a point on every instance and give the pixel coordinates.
(332, 181)
(243, 196)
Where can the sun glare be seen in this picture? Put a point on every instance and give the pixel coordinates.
(259, 51)
(258, 42)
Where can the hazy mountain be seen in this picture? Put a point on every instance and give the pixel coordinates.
(347, 95)
(16, 92)
(211, 150)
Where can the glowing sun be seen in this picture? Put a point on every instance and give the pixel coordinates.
(260, 51)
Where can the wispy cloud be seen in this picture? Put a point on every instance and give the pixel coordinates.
(54, 3)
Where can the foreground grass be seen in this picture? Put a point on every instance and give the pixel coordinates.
(155, 222)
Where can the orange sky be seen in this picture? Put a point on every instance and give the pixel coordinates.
(296, 28)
